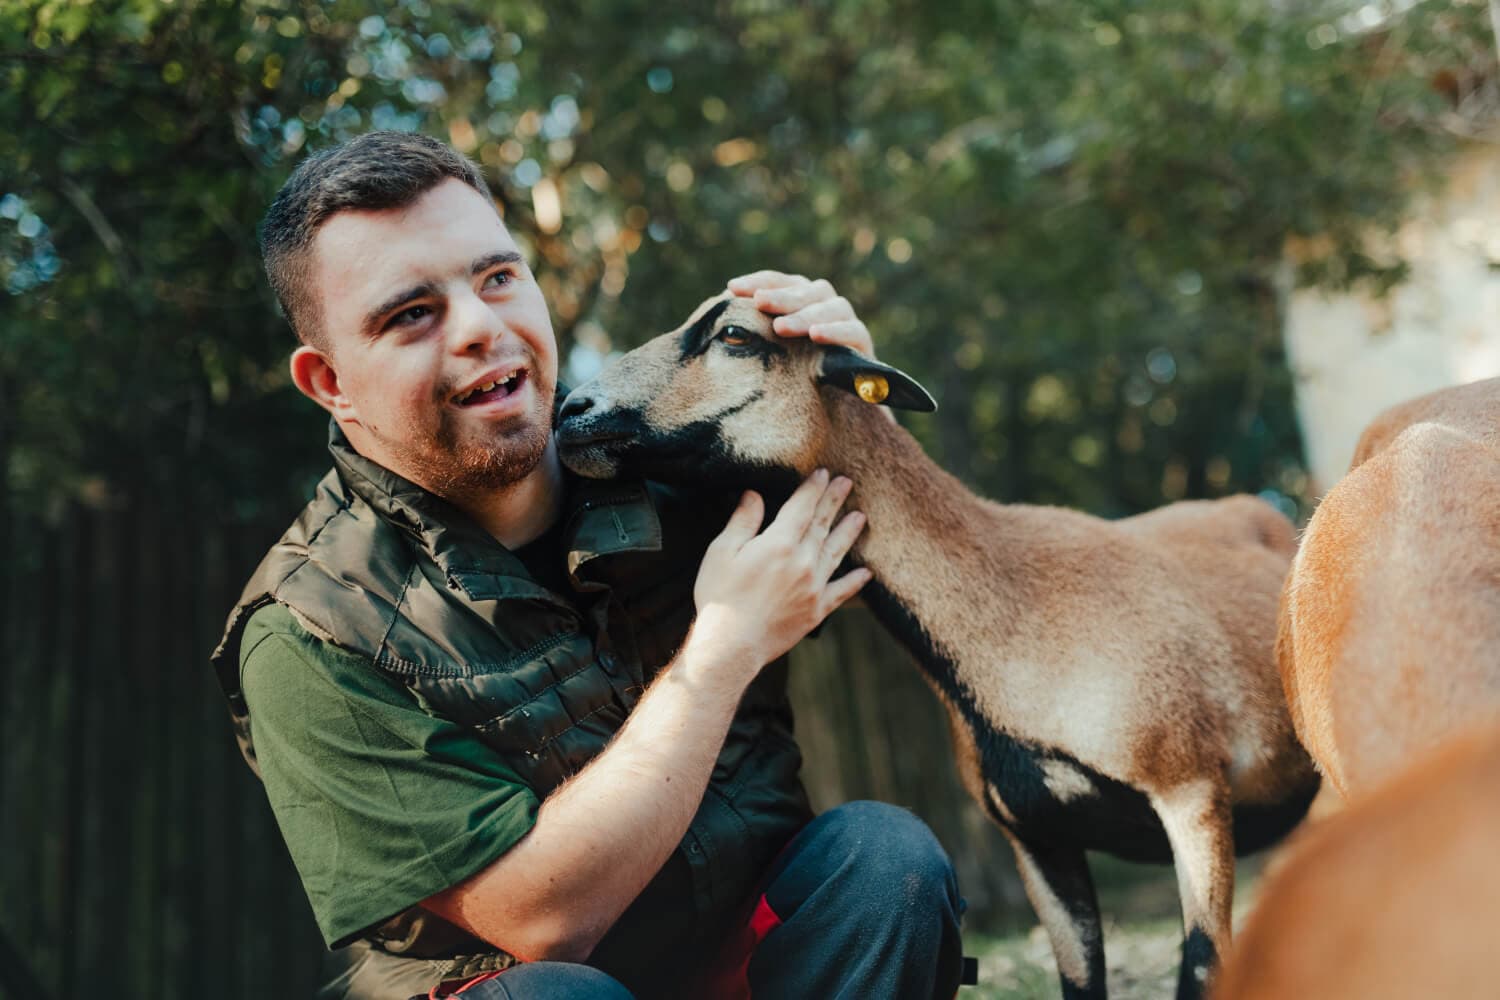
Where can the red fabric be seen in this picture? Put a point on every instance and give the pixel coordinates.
(730, 979)
(764, 920)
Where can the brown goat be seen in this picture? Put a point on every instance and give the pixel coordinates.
(1111, 685)
(1390, 621)
(1396, 897)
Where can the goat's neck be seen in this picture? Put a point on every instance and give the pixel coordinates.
(930, 542)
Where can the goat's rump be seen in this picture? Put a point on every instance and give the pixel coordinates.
(1391, 624)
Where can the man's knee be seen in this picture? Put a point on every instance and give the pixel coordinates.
(870, 906)
(550, 981)
(877, 846)
(891, 844)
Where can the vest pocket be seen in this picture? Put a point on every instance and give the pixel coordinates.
(564, 707)
(565, 753)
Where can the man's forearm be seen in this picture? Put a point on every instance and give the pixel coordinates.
(605, 833)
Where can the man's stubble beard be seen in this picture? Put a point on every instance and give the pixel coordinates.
(457, 470)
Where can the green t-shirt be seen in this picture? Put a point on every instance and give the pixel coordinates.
(381, 804)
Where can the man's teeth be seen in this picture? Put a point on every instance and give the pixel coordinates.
(508, 381)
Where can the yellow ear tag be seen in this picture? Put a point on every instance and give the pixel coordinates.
(872, 388)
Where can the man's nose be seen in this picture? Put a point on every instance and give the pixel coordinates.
(473, 325)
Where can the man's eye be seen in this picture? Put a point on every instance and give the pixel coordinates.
(497, 279)
(735, 336)
(410, 315)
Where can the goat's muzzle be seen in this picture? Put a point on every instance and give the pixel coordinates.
(591, 442)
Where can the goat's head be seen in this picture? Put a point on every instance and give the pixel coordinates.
(721, 398)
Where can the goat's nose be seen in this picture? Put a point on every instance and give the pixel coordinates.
(576, 405)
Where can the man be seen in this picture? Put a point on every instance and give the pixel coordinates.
(518, 740)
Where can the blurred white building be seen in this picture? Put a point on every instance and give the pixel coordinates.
(1355, 354)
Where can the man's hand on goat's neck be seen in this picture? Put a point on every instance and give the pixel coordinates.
(606, 832)
(757, 595)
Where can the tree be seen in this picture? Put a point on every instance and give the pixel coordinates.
(1068, 218)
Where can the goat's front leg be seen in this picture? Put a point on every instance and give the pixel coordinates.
(1061, 891)
(1200, 828)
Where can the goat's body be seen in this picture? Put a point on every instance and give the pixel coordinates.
(1027, 783)
(1397, 896)
(1116, 679)
(1090, 626)
(1390, 625)
(1111, 685)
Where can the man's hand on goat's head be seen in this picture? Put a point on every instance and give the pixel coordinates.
(809, 309)
(805, 308)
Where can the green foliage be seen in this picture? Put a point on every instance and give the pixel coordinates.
(1066, 218)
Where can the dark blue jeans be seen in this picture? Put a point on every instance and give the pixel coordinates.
(862, 904)
(548, 981)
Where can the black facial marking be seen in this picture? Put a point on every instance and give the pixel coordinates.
(717, 419)
(763, 349)
(694, 454)
(696, 338)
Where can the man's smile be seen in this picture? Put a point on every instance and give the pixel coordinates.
(492, 387)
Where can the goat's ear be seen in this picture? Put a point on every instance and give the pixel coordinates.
(873, 382)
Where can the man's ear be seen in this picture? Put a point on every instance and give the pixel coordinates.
(872, 381)
(316, 378)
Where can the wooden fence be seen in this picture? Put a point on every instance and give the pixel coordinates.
(139, 856)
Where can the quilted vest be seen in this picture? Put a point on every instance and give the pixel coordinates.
(380, 567)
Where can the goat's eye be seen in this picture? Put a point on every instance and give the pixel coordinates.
(735, 336)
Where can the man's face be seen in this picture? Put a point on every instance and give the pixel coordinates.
(423, 308)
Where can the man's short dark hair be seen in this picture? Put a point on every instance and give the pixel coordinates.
(374, 172)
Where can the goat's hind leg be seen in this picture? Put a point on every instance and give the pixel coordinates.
(1061, 891)
(1199, 825)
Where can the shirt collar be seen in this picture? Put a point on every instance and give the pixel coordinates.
(601, 518)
